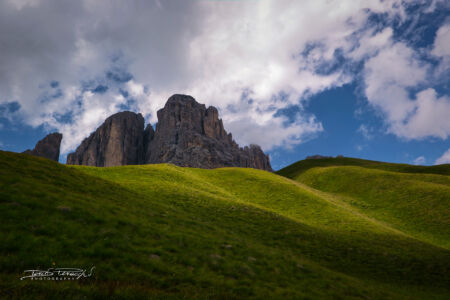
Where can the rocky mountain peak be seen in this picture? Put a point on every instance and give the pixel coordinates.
(181, 112)
(187, 134)
(118, 141)
(48, 147)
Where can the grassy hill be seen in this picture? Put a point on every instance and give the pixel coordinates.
(160, 231)
(301, 166)
(412, 199)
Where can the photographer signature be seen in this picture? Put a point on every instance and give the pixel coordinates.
(58, 274)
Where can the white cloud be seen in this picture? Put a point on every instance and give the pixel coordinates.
(253, 129)
(430, 117)
(389, 76)
(419, 160)
(441, 48)
(213, 50)
(20, 4)
(386, 77)
(442, 41)
(444, 159)
(365, 131)
(371, 43)
(359, 147)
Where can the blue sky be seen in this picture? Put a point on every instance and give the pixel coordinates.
(342, 115)
(368, 80)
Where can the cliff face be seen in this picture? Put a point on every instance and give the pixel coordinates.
(48, 147)
(187, 134)
(118, 141)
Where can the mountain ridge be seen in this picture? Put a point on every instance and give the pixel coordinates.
(187, 134)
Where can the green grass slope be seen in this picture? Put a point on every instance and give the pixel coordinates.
(160, 231)
(412, 199)
(301, 166)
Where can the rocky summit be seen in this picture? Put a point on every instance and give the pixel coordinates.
(187, 134)
(48, 147)
(118, 141)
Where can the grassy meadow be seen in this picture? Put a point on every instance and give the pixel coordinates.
(318, 229)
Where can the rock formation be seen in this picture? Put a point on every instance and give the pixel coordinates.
(317, 156)
(149, 133)
(187, 134)
(118, 141)
(48, 147)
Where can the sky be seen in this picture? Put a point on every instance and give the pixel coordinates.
(367, 79)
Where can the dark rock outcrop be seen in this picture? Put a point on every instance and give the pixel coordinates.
(48, 147)
(118, 141)
(187, 134)
(149, 133)
(191, 135)
(317, 156)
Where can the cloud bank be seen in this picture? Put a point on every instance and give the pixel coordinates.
(70, 64)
